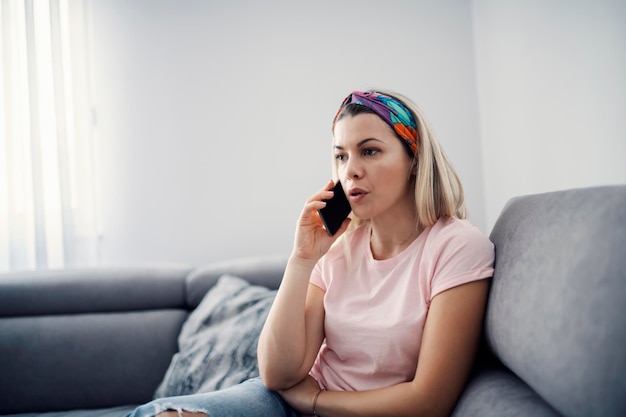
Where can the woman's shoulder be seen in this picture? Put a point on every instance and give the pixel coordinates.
(452, 231)
(453, 226)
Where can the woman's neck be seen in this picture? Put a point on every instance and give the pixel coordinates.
(392, 235)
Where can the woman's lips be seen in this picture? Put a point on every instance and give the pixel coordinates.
(356, 194)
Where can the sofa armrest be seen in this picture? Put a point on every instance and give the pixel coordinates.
(87, 338)
(81, 361)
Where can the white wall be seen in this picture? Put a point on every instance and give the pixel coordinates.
(213, 118)
(552, 95)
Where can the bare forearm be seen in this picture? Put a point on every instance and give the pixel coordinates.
(294, 329)
(283, 342)
(398, 400)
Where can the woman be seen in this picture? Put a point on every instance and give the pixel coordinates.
(387, 322)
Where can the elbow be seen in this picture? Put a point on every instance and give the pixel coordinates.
(280, 369)
(273, 385)
(276, 379)
(274, 382)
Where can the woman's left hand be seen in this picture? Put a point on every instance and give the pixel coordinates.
(301, 395)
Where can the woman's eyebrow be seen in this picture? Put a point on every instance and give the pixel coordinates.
(360, 143)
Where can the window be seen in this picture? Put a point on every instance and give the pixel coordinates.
(47, 172)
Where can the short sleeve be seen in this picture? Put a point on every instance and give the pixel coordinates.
(316, 276)
(465, 255)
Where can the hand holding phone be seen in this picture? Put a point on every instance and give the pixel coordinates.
(336, 211)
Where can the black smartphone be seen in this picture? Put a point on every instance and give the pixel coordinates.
(336, 210)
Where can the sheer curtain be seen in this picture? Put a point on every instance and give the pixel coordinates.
(47, 173)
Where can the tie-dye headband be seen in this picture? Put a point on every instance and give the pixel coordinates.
(394, 113)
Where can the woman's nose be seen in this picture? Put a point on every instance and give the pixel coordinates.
(354, 169)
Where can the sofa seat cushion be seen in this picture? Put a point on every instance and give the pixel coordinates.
(497, 392)
(218, 342)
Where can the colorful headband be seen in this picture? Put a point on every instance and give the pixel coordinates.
(394, 113)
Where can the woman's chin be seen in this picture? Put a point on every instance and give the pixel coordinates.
(361, 214)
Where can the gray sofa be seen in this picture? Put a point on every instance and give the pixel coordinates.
(96, 342)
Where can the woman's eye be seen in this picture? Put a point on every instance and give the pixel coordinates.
(339, 157)
(370, 151)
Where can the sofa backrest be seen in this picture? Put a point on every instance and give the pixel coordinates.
(557, 309)
(260, 270)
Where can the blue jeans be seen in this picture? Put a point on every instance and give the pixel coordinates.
(248, 399)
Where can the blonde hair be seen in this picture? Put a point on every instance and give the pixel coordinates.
(438, 189)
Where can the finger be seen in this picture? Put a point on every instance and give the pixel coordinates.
(328, 189)
(310, 214)
(314, 205)
(329, 185)
(322, 194)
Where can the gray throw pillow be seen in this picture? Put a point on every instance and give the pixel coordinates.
(218, 342)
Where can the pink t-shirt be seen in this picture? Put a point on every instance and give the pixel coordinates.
(376, 309)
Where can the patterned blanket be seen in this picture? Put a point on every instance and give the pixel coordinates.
(218, 342)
